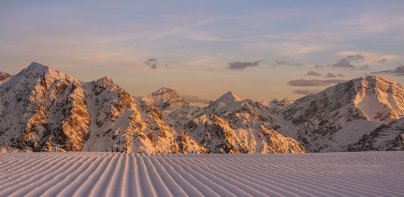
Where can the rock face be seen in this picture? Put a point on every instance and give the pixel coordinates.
(42, 109)
(238, 126)
(387, 137)
(45, 110)
(4, 77)
(340, 116)
(175, 110)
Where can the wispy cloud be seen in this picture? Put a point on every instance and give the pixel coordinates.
(364, 67)
(312, 73)
(368, 58)
(332, 75)
(399, 70)
(363, 58)
(285, 62)
(344, 63)
(243, 65)
(314, 82)
(152, 63)
(327, 75)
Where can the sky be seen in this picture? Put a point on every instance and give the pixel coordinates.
(257, 49)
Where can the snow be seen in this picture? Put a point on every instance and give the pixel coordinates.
(120, 174)
(42, 109)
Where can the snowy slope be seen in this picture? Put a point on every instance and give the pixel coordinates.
(230, 124)
(42, 109)
(386, 137)
(175, 110)
(340, 116)
(120, 174)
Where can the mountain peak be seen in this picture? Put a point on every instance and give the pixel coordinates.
(34, 70)
(373, 79)
(37, 67)
(164, 97)
(4, 76)
(106, 79)
(228, 97)
(279, 103)
(165, 90)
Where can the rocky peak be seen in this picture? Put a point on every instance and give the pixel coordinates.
(34, 70)
(228, 97)
(279, 104)
(4, 77)
(379, 98)
(164, 97)
(165, 93)
(104, 82)
(39, 69)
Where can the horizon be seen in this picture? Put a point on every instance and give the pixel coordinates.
(259, 50)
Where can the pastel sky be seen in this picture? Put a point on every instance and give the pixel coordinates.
(258, 49)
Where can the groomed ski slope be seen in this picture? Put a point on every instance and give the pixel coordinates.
(120, 174)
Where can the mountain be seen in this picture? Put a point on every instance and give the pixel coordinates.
(276, 105)
(42, 109)
(164, 98)
(175, 110)
(4, 77)
(216, 128)
(387, 137)
(230, 124)
(340, 116)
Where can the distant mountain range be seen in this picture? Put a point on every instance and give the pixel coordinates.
(42, 109)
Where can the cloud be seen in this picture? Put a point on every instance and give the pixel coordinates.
(344, 63)
(364, 67)
(243, 65)
(332, 75)
(314, 82)
(318, 66)
(152, 63)
(312, 73)
(287, 63)
(368, 58)
(355, 57)
(397, 71)
(305, 91)
(195, 99)
(328, 75)
(382, 61)
(362, 57)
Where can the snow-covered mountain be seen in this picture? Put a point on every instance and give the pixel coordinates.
(42, 109)
(338, 117)
(277, 104)
(227, 125)
(4, 77)
(230, 124)
(176, 111)
(386, 137)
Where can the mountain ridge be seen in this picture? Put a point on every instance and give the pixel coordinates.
(57, 112)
